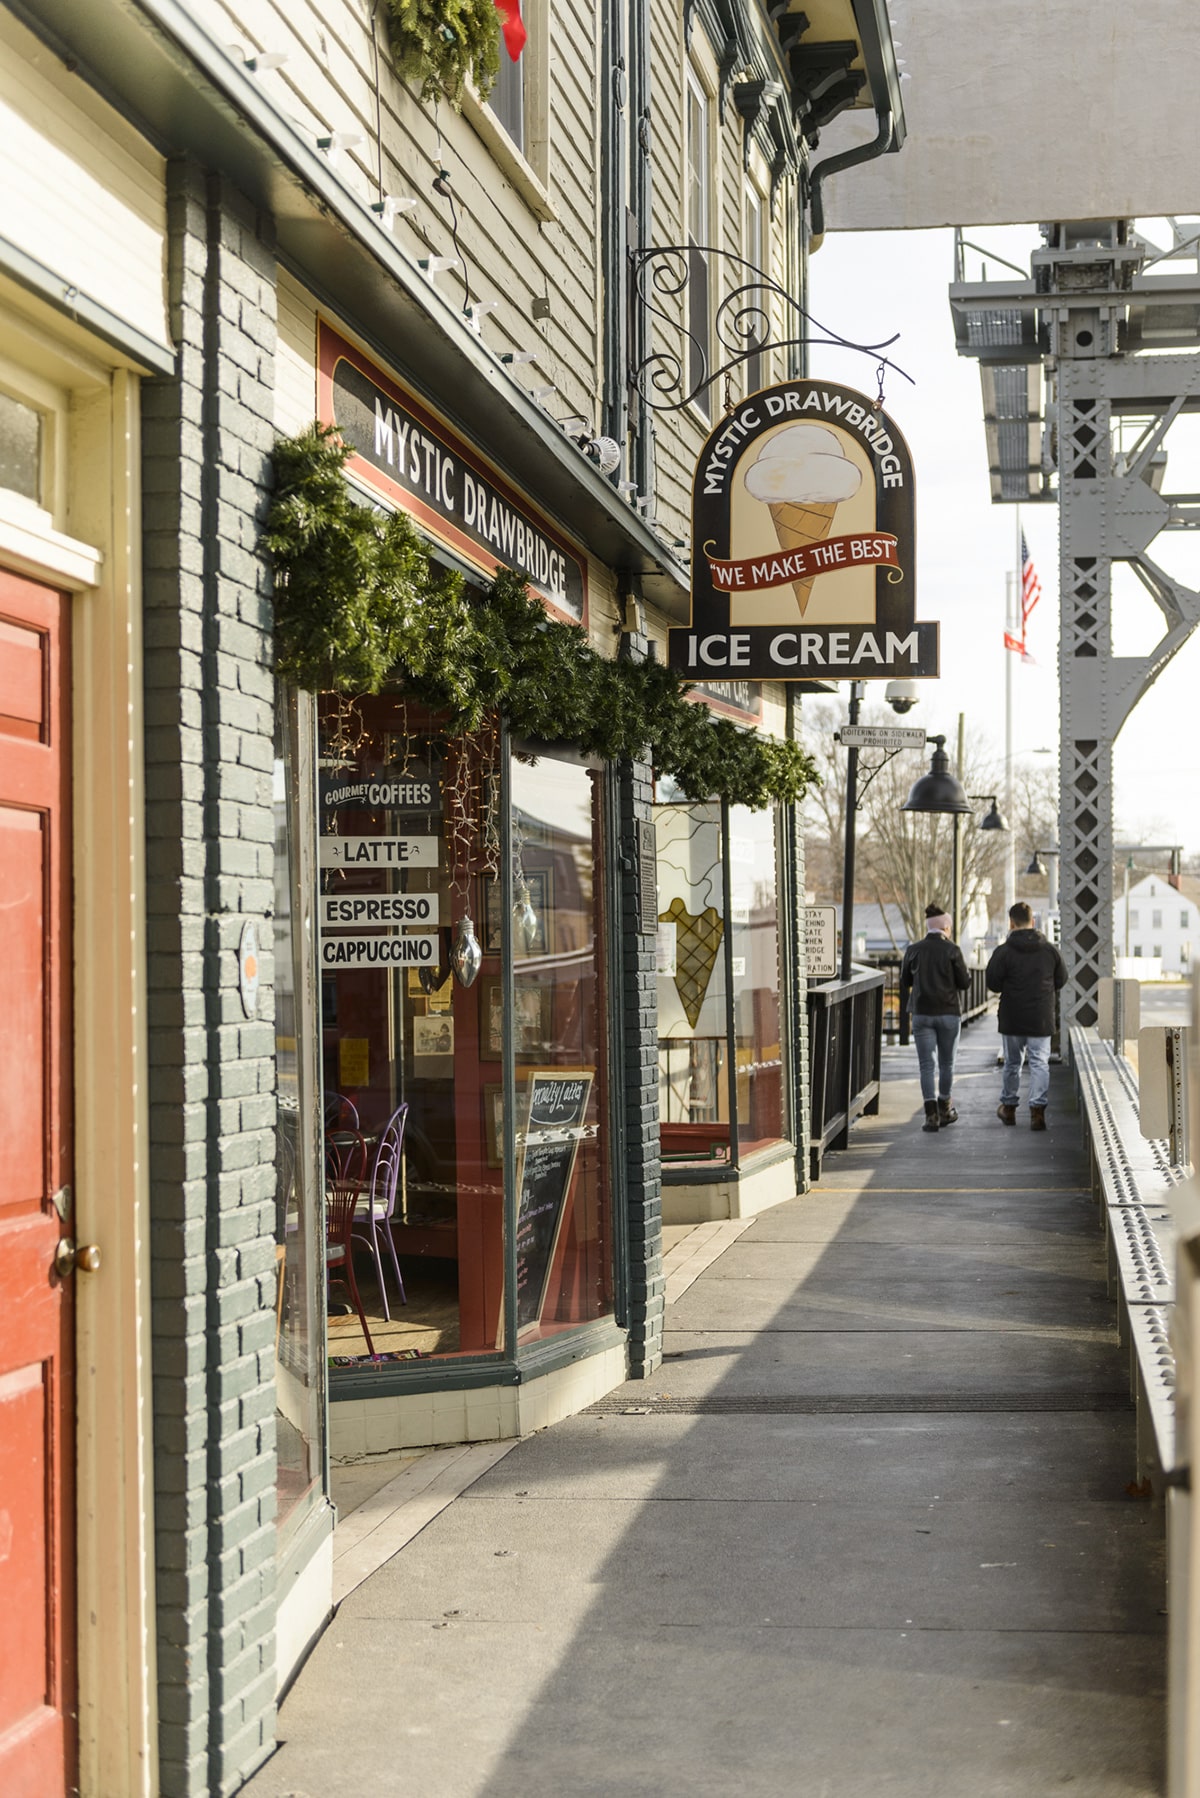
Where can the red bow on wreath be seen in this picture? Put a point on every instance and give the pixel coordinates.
(512, 30)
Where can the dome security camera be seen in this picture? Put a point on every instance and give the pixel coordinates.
(902, 695)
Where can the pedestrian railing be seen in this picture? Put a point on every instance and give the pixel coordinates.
(976, 999)
(897, 1013)
(845, 1039)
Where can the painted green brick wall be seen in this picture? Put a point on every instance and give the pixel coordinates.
(207, 435)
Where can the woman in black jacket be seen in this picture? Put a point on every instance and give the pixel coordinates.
(935, 972)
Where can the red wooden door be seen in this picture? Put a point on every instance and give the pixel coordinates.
(37, 1452)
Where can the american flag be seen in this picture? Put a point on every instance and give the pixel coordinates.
(1031, 592)
(1031, 587)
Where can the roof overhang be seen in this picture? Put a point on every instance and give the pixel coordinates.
(160, 67)
(840, 58)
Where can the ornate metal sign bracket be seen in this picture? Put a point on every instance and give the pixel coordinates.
(742, 325)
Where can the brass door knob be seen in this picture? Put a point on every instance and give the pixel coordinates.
(67, 1257)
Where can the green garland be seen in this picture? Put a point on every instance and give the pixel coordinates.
(440, 42)
(358, 604)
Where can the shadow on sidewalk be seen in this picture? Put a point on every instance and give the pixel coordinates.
(866, 1531)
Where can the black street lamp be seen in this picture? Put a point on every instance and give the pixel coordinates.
(941, 791)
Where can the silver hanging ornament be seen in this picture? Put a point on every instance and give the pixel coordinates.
(525, 919)
(466, 957)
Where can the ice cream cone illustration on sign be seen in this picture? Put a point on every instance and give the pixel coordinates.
(802, 476)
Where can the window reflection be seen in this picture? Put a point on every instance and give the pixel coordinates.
(754, 920)
(693, 1017)
(299, 1344)
(721, 1051)
(563, 1247)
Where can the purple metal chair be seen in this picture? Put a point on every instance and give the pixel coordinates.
(373, 1215)
(345, 1171)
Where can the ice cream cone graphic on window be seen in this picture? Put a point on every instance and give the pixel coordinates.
(803, 477)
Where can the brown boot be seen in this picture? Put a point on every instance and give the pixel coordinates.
(1007, 1114)
(1037, 1117)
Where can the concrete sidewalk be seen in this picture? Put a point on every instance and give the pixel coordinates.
(865, 1533)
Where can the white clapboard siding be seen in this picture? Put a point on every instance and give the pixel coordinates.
(77, 180)
(295, 359)
(774, 713)
(509, 253)
(679, 436)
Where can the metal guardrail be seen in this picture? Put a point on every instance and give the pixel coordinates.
(1133, 1181)
(897, 1019)
(845, 1040)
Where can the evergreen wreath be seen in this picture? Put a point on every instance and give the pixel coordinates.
(358, 604)
(440, 42)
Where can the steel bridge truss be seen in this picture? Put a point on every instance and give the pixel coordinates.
(1100, 300)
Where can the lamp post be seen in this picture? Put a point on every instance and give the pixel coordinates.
(856, 693)
(941, 791)
(1037, 865)
(993, 819)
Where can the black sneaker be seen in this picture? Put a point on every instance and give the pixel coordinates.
(932, 1117)
(946, 1112)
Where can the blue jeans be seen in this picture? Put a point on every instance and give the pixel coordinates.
(1037, 1048)
(936, 1037)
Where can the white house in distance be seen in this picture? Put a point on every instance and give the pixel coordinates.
(1163, 923)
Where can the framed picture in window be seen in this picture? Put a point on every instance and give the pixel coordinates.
(540, 882)
(531, 1019)
(493, 1119)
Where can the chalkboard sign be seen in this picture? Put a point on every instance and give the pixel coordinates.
(558, 1102)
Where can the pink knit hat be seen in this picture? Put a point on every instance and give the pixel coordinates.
(940, 921)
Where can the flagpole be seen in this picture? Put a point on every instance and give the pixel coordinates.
(1010, 848)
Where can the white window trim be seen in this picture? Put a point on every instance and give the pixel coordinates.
(756, 183)
(529, 172)
(699, 78)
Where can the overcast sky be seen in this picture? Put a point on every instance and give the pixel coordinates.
(868, 286)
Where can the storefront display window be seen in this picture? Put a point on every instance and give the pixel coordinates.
(691, 963)
(563, 1246)
(461, 911)
(722, 1075)
(754, 927)
(299, 1310)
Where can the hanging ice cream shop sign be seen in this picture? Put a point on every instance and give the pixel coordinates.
(417, 463)
(803, 544)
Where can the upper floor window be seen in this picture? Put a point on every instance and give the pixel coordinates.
(1156, 920)
(507, 98)
(756, 255)
(1183, 918)
(698, 189)
(1134, 920)
(20, 448)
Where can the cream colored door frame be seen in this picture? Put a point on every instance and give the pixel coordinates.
(85, 538)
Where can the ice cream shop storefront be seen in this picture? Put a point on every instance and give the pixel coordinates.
(448, 970)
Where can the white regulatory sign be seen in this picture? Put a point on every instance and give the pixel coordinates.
(379, 951)
(880, 736)
(345, 910)
(378, 852)
(820, 935)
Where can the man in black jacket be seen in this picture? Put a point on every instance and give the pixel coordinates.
(1027, 972)
(936, 973)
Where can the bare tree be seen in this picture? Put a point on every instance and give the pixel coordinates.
(824, 813)
(1034, 823)
(904, 858)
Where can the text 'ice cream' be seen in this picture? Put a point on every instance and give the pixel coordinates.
(803, 477)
